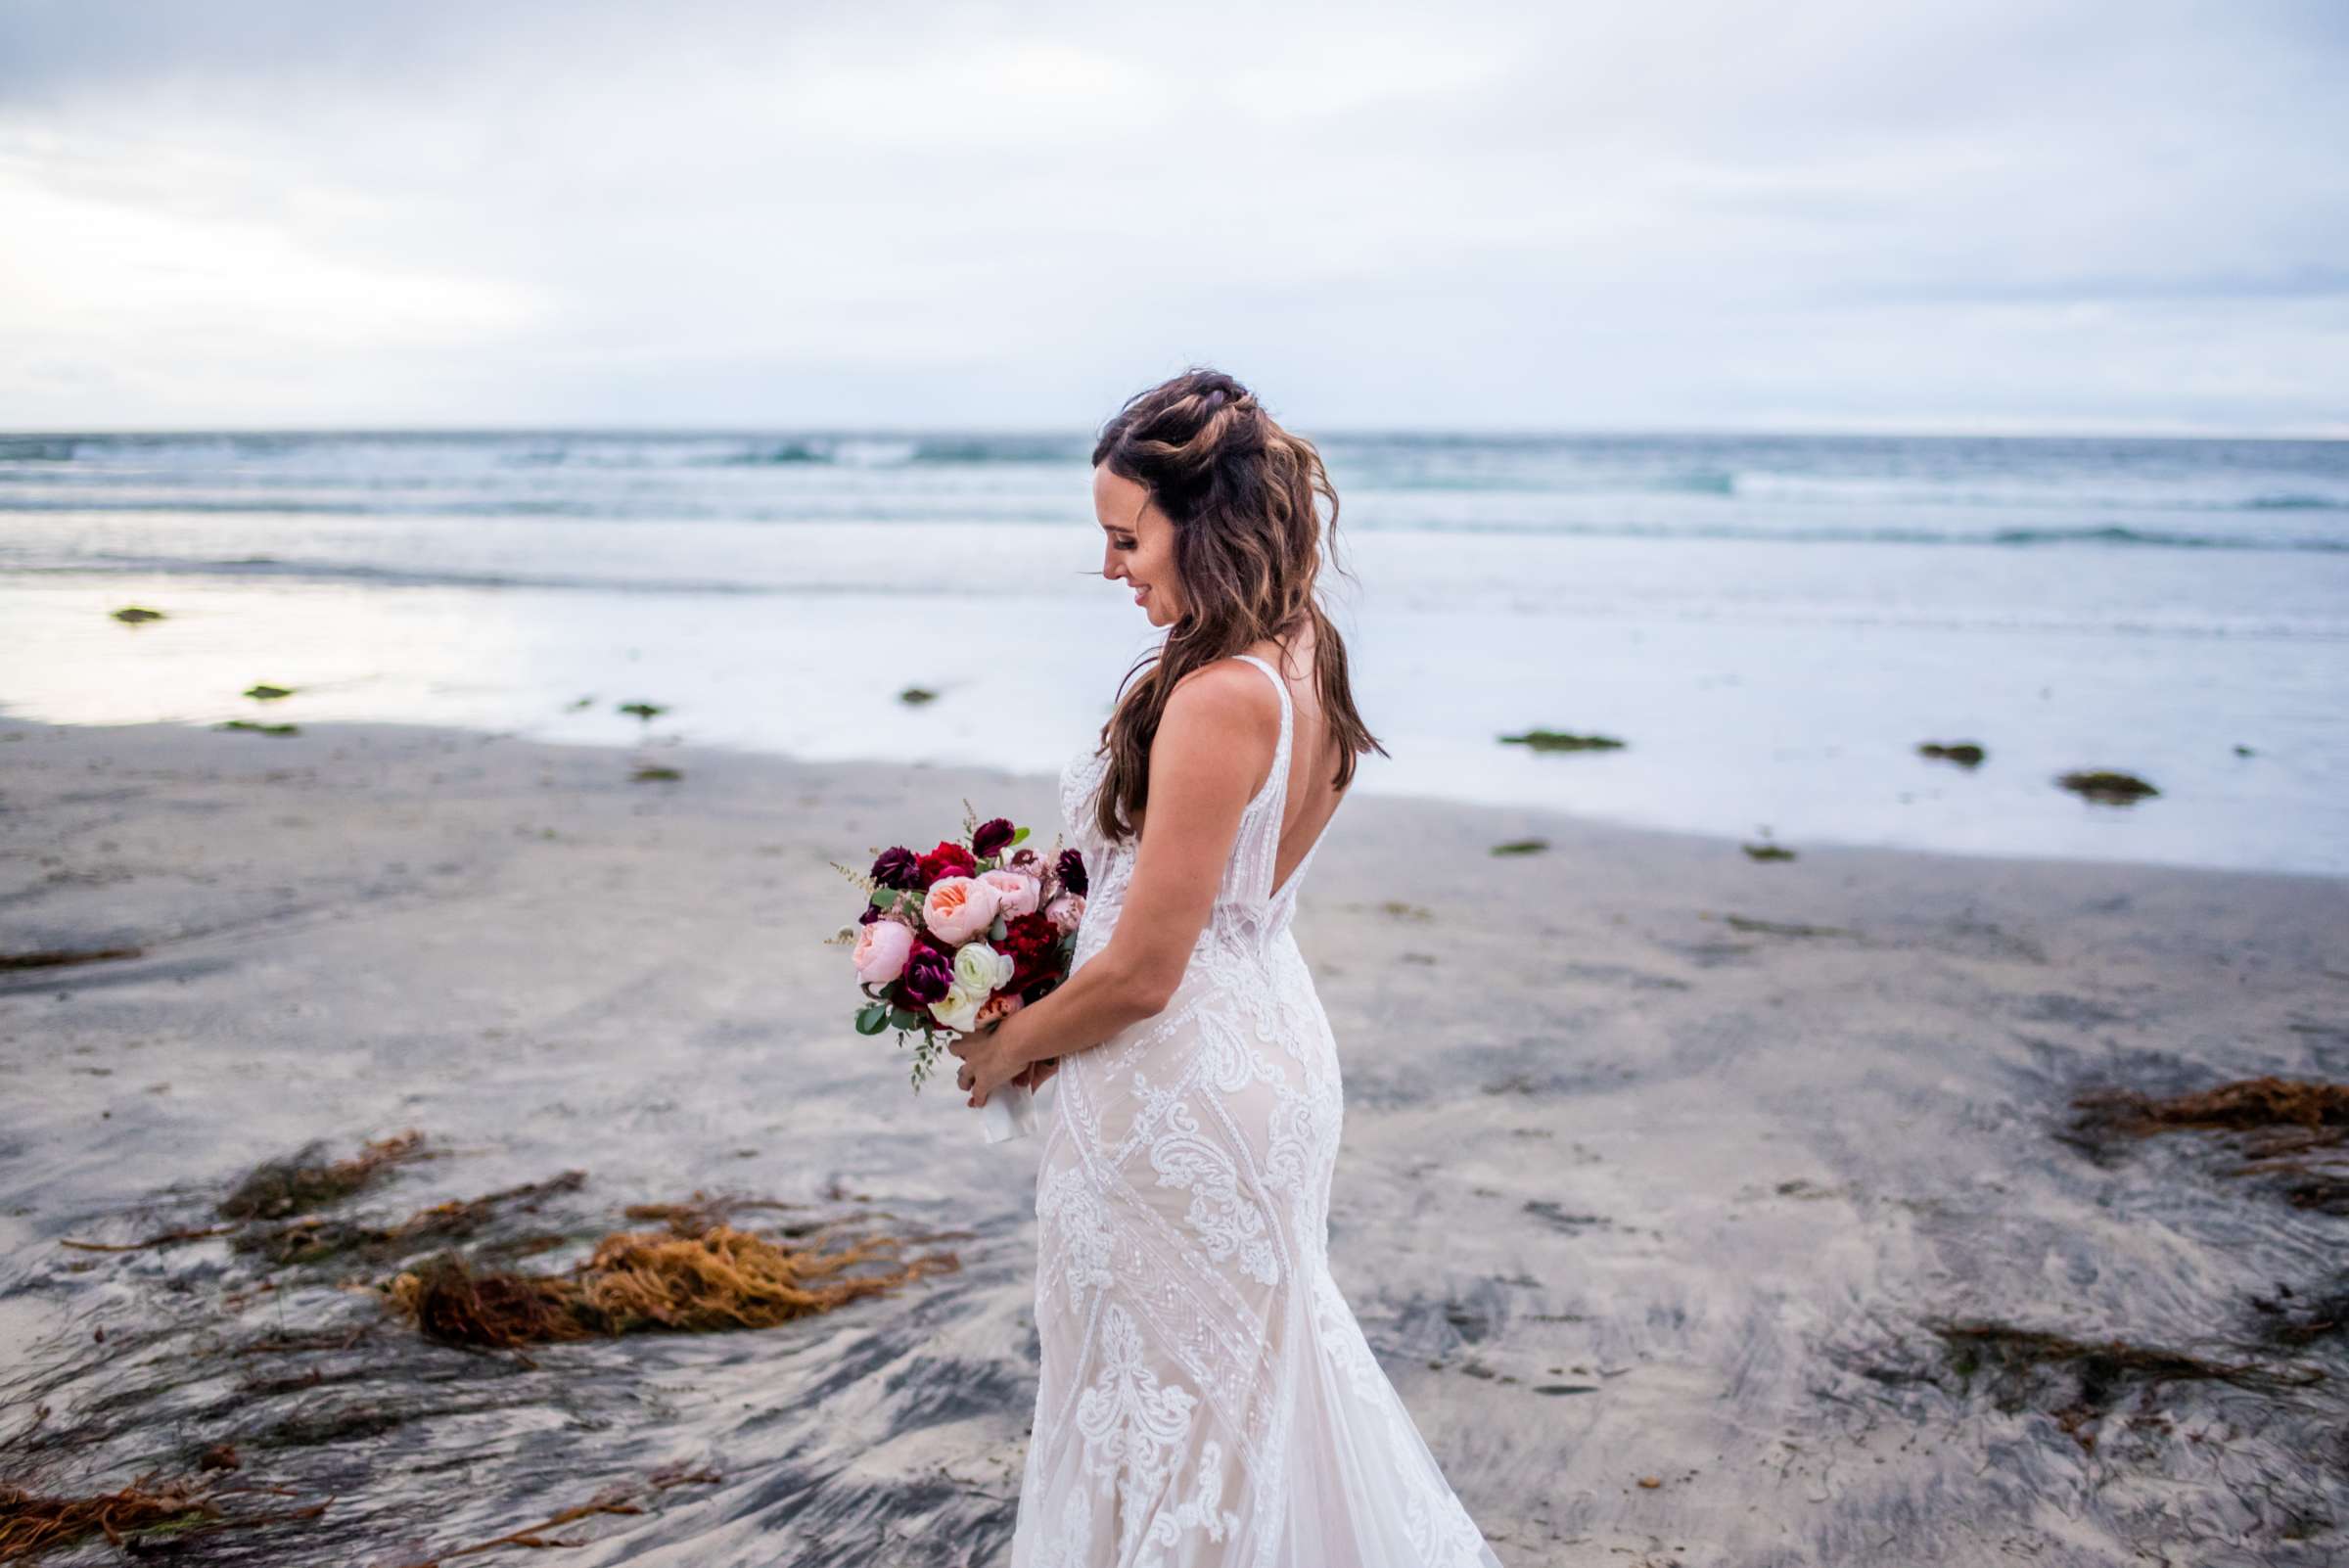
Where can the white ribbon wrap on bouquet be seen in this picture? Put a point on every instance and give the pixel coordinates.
(1009, 1113)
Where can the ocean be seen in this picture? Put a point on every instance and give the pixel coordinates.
(1771, 625)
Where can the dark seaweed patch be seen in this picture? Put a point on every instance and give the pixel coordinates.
(308, 1180)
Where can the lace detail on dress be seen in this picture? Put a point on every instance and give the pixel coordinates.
(1206, 1396)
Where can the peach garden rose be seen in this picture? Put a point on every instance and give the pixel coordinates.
(958, 908)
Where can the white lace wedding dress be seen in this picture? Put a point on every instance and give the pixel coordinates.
(1206, 1394)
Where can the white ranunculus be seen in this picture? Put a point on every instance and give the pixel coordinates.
(958, 1009)
(979, 969)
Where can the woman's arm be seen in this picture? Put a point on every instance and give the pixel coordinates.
(1213, 750)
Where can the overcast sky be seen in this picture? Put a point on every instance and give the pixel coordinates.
(1854, 214)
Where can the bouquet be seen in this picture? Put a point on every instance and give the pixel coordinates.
(954, 940)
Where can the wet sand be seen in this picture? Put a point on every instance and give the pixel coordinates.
(1659, 1163)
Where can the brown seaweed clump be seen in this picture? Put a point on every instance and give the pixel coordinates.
(2291, 1116)
(32, 1524)
(2296, 1130)
(723, 1278)
(1966, 754)
(308, 1180)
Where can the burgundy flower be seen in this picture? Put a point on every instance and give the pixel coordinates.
(1072, 871)
(929, 973)
(898, 868)
(949, 859)
(1033, 944)
(872, 913)
(988, 839)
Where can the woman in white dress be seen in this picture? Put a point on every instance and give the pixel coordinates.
(1206, 1396)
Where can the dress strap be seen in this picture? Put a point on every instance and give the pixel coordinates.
(1255, 862)
(1280, 753)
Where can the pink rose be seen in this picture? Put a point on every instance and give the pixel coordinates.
(880, 951)
(1000, 1005)
(1015, 892)
(1066, 912)
(958, 908)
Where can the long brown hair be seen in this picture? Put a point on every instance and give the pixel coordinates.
(1240, 492)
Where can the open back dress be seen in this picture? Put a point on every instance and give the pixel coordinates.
(1206, 1394)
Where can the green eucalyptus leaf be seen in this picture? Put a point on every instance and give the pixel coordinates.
(872, 1018)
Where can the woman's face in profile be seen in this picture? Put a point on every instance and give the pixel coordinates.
(1137, 546)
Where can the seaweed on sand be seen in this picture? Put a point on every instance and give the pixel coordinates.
(31, 1523)
(57, 957)
(1559, 740)
(2295, 1320)
(2106, 787)
(2295, 1130)
(705, 1210)
(2316, 1113)
(306, 1181)
(314, 1238)
(723, 1278)
(2021, 1362)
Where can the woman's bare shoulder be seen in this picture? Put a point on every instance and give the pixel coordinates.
(1229, 698)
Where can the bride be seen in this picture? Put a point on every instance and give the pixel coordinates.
(1206, 1394)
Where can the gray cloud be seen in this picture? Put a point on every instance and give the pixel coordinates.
(1670, 213)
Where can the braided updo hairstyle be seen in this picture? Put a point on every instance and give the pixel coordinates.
(1240, 492)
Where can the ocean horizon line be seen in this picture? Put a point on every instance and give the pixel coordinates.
(2329, 435)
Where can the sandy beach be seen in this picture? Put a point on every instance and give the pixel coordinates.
(1674, 1183)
